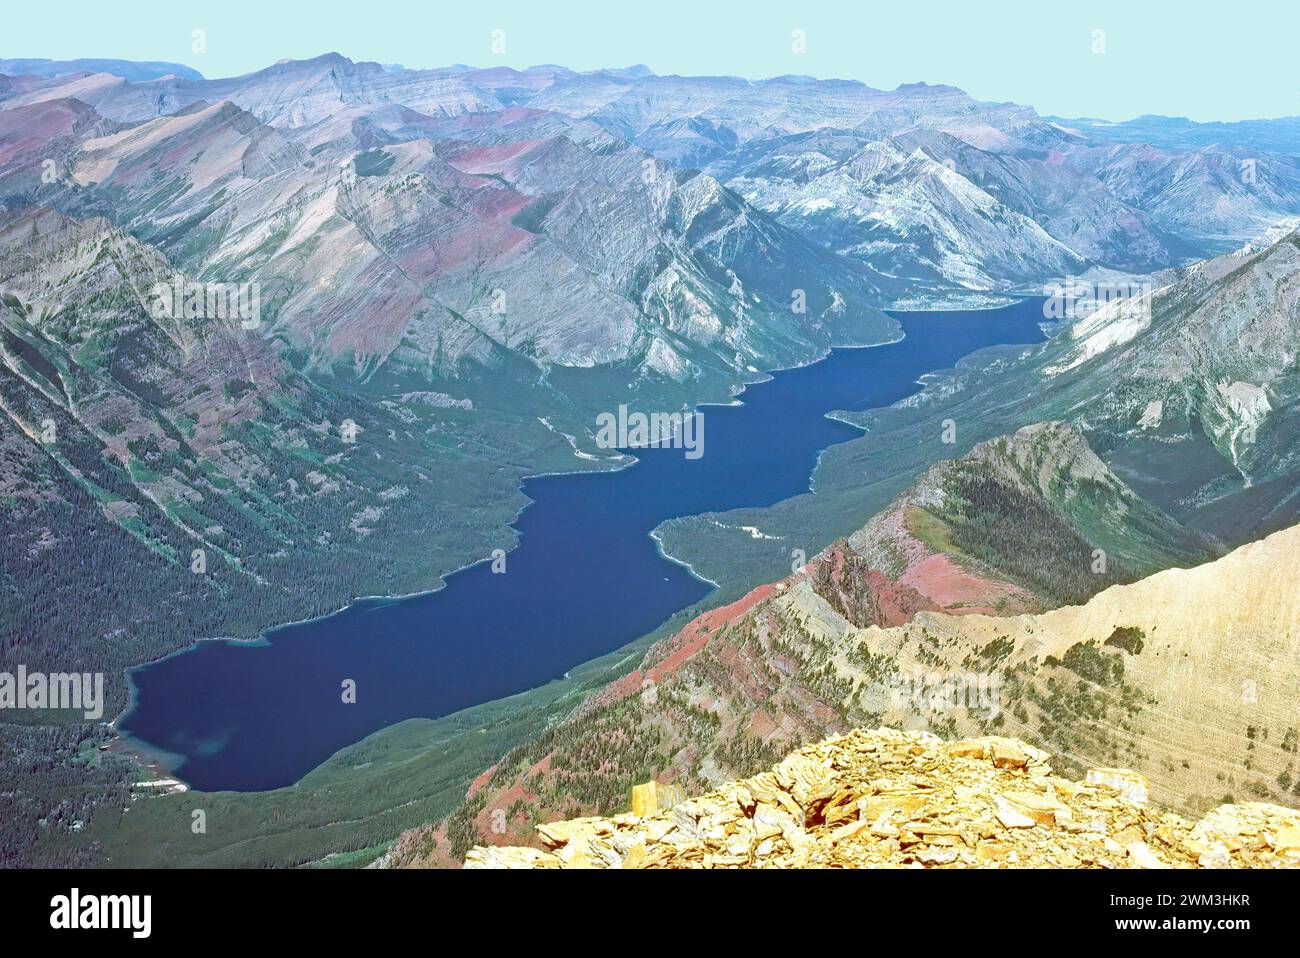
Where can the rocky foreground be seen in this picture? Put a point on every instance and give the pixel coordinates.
(886, 798)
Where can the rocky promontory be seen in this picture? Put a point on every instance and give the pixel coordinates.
(886, 798)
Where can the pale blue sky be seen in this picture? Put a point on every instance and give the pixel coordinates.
(1209, 61)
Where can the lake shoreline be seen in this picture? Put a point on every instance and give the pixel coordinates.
(760, 414)
(625, 461)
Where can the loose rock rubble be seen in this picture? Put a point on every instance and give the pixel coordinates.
(885, 798)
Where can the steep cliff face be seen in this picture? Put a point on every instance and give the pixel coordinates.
(890, 799)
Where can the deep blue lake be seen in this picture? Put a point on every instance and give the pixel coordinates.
(585, 579)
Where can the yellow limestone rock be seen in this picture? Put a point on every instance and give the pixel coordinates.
(1007, 753)
(1216, 856)
(1143, 857)
(1132, 787)
(1042, 809)
(875, 806)
(968, 748)
(891, 799)
(493, 857)
(1287, 841)
(992, 852)
(654, 797)
(635, 857)
(1010, 816)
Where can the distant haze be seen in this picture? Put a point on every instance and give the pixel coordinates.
(1206, 61)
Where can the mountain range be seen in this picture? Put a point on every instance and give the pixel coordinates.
(463, 266)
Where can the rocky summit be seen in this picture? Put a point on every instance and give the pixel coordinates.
(887, 798)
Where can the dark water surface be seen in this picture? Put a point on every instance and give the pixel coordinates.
(585, 579)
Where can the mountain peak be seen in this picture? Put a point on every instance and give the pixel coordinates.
(331, 59)
(922, 87)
